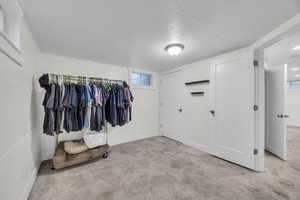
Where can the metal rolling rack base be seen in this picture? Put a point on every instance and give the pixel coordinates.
(61, 159)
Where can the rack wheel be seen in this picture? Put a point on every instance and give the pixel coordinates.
(105, 155)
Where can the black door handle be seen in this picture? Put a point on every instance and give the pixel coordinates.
(212, 112)
(280, 116)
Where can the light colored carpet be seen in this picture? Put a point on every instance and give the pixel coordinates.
(162, 169)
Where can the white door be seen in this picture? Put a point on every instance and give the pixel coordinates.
(232, 98)
(276, 134)
(171, 120)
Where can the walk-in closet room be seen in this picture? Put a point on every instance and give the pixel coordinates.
(149, 100)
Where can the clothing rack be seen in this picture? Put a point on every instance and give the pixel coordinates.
(54, 78)
(53, 83)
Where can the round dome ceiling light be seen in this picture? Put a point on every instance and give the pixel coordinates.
(174, 49)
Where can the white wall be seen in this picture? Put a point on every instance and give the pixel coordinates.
(19, 144)
(195, 123)
(145, 106)
(293, 107)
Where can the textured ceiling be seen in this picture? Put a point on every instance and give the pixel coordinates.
(134, 32)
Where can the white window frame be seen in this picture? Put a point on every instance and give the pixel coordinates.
(140, 71)
(10, 36)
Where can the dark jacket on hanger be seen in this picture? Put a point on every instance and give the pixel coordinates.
(121, 110)
(57, 109)
(44, 81)
(111, 106)
(48, 103)
(81, 105)
(100, 112)
(70, 103)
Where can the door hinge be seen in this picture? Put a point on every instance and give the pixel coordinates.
(255, 107)
(255, 63)
(255, 151)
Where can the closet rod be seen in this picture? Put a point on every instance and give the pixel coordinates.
(81, 78)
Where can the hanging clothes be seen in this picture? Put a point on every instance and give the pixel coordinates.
(97, 121)
(128, 103)
(87, 98)
(121, 109)
(81, 105)
(48, 103)
(118, 107)
(100, 111)
(111, 106)
(77, 107)
(57, 111)
(67, 106)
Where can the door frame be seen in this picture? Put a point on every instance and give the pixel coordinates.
(258, 48)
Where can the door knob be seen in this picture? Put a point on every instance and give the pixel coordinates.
(180, 110)
(212, 112)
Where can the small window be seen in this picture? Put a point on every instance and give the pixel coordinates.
(141, 79)
(294, 85)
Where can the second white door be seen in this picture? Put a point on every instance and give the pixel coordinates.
(276, 134)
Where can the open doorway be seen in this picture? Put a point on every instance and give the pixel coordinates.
(282, 98)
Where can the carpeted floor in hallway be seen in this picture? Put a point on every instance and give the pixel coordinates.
(162, 169)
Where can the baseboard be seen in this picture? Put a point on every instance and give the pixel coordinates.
(190, 144)
(173, 138)
(131, 139)
(196, 146)
(160, 134)
(29, 185)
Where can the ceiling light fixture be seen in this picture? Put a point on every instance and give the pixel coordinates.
(296, 48)
(297, 75)
(174, 49)
(294, 69)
